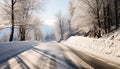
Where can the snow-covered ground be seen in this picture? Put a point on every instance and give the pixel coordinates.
(105, 48)
(114, 35)
(8, 50)
(5, 33)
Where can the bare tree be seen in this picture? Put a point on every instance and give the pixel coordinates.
(36, 27)
(38, 35)
(12, 19)
(71, 12)
(27, 8)
(60, 23)
(9, 7)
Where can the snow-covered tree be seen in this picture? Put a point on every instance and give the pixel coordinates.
(26, 9)
(62, 30)
(22, 9)
(59, 26)
(81, 19)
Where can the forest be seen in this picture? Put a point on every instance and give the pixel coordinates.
(92, 18)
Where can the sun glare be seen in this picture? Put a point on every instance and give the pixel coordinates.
(50, 22)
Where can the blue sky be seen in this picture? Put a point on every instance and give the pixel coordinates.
(52, 7)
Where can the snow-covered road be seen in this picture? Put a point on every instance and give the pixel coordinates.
(45, 56)
(52, 55)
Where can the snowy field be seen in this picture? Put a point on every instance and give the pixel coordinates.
(105, 48)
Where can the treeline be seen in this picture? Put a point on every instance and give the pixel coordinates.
(94, 18)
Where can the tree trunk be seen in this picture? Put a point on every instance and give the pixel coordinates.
(12, 21)
(116, 14)
(105, 26)
(22, 32)
(98, 19)
(69, 24)
(108, 18)
(61, 31)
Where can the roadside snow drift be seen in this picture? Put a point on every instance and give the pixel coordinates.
(114, 35)
(105, 48)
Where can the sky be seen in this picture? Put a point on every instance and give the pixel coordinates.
(51, 8)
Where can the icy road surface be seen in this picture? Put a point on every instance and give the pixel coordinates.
(43, 56)
(50, 55)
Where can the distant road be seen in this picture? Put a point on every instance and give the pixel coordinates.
(50, 55)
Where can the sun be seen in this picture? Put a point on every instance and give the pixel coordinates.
(50, 22)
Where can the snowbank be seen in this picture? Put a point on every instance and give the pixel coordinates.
(114, 35)
(105, 48)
